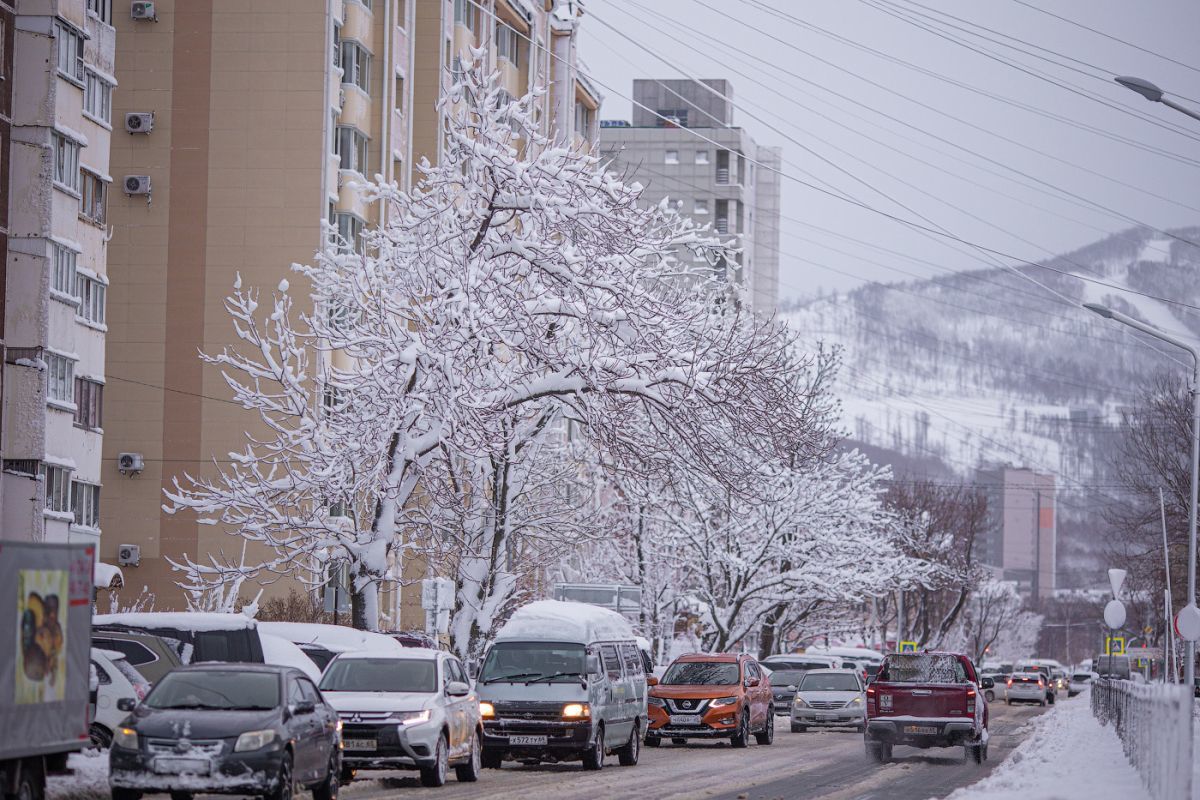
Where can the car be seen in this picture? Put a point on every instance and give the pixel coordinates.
(783, 687)
(1044, 669)
(1059, 678)
(116, 679)
(409, 710)
(929, 699)
(999, 681)
(801, 661)
(1027, 687)
(321, 642)
(150, 655)
(228, 729)
(1119, 667)
(196, 637)
(829, 697)
(1079, 682)
(712, 696)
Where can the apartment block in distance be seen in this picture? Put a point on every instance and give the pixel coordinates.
(1020, 541)
(55, 124)
(717, 182)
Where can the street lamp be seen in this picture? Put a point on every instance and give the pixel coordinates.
(1154, 94)
(1189, 610)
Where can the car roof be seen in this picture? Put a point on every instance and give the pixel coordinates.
(831, 671)
(728, 658)
(409, 654)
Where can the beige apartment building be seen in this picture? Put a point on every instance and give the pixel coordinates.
(249, 125)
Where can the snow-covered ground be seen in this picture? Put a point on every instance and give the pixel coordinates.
(89, 780)
(1067, 754)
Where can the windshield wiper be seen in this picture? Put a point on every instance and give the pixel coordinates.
(556, 675)
(514, 676)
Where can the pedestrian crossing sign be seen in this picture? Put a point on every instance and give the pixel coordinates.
(1114, 646)
(908, 647)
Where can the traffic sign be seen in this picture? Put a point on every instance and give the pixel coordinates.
(908, 647)
(1155, 653)
(1187, 623)
(1114, 646)
(1116, 577)
(1114, 614)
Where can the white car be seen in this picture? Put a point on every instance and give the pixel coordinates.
(116, 679)
(1027, 687)
(1080, 680)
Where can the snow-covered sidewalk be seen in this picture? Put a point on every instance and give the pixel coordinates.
(1068, 754)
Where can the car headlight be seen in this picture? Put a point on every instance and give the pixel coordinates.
(411, 717)
(125, 737)
(254, 740)
(656, 701)
(799, 702)
(721, 702)
(576, 711)
(487, 710)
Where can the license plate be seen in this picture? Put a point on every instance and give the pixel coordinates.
(919, 729)
(179, 766)
(360, 744)
(826, 717)
(527, 740)
(685, 719)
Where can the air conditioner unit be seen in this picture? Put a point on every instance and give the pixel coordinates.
(130, 462)
(129, 555)
(139, 121)
(137, 184)
(143, 10)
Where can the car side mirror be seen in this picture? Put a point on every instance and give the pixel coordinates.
(126, 704)
(750, 683)
(593, 666)
(651, 680)
(304, 707)
(457, 689)
(986, 683)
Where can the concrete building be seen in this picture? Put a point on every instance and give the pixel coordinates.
(1020, 542)
(56, 65)
(719, 184)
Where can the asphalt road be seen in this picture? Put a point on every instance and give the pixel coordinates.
(819, 764)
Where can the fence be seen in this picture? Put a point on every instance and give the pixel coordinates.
(1154, 722)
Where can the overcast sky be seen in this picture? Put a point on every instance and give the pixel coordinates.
(786, 97)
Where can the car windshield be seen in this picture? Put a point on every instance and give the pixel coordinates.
(216, 689)
(380, 675)
(795, 663)
(1081, 677)
(924, 668)
(829, 683)
(701, 673)
(786, 677)
(546, 662)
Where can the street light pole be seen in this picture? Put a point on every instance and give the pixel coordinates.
(1154, 94)
(1189, 667)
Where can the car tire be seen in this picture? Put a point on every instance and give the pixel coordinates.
(879, 752)
(861, 728)
(593, 757)
(491, 759)
(653, 741)
(285, 788)
(181, 795)
(990, 695)
(628, 754)
(327, 789)
(680, 741)
(741, 738)
(468, 771)
(798, 728)
(347, 775)
(117, 794)
(1043, 703)
(435, 774)
(100, 736)
(975, 753)
(1051, 700)
(767, 735)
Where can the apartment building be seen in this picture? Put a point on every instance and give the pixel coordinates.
(682, 144)
(1020, 540)
(56, 65)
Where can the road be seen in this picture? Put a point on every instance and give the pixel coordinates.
(821, 764)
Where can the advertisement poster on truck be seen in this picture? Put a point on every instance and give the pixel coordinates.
(41, 634)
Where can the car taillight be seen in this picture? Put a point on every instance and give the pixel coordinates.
(1010, 681)
(1041, 683)
(970, 701)
(871, 699)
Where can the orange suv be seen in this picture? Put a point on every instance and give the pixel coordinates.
(712, 696)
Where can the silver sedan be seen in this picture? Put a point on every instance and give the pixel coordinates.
(829, 697)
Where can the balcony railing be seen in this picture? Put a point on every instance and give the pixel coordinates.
(722, 174)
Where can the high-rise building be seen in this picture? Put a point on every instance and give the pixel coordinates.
(1020, 540)
(56, 88)
(683, 145)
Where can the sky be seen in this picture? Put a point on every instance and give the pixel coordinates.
(1033, 157)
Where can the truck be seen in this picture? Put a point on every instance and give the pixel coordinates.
(927, 700)
(45, 686)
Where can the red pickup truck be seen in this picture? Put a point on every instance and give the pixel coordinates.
(927, 700)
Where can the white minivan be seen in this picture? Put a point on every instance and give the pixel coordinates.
(563, 681)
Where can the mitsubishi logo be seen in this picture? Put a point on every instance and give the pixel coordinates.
(527, 716)
(182, 746)
(356, 717)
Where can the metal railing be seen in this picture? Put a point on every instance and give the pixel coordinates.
(1154, 723)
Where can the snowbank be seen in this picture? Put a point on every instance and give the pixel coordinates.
(180, 620)
(335, 638)
(282, 653)
(1068, 753)
(562, 621)
(88, 781)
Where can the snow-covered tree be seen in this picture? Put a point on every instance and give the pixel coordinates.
(994, 620)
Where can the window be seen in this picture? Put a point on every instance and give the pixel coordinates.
(701, 156)
(295, 694)
(89, 403)
(86, 499)
(700, 207)
(70, 51)
(351, 149)
(356, 65)
(349, 228)
(91, 293)
(66, 161)
(337, 45)
(612, 662)
(309, 691)
(97, 97)
(633, 661)
(135, 653)
(101, 10)
(62, 270)
(3, 44)
(507, 44)
(60, 378)
(672, 157)
(94, 197)
(463, 14)
(583, 120)
(56, 481)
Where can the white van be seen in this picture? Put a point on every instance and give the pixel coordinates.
(563, 681)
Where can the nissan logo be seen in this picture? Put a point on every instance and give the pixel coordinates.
(687, 703)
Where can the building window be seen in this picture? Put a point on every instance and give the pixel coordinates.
(101, 10)
(97, 98)
(70, 51)
(89, 404)
(60, 378)
(700, 207)
(57, 482)
(356, 65)
(349, 229)
(583, 120)
(351, 149)
(66, 161)
(337, 45)
(464, 15)
(91, 293)
(62, 270)
(701, 156)
(672, 157)
(94, 197)
(3, 46)
(507, 44)
(85, 497)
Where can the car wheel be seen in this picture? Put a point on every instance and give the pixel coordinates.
(1051, 700)
(117, 794)
(328, 789)
(347, 775)
(1008, 702)
(593, 757)
(468, 772)
(100, 736)
(679, 741)
(990, 695)
(434, 775)
(1043, 703)
(653, 741)
(975, 751)
(798, 728)
(861, 728)
(32, 786)
(742, 737)
(628, 755)
(491, 759)
(181, 796)
(767, 734)
(285, 787)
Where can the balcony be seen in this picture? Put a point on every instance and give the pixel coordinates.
(723, 175)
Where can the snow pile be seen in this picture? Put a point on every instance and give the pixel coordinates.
(282, 653)
(1067, 754)
(88, 779)
(179, 620)
(335, 638)
(562, 621)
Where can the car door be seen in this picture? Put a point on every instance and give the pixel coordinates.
(300, 726)
(324, 727)
(451, 707)
(636, 677)
(463, 706)
(758, 692)
(616, 723)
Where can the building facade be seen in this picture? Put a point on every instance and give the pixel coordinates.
(1020, 541)
(682, 145)
(57, 60)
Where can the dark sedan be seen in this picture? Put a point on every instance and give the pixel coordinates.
(783, 687)
(229, 729)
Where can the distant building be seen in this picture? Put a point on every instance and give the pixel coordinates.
(717, 182)
(1020, 541)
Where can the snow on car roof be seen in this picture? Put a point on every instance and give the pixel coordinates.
(180, 620)
(565, 621)
(335, 638)
(282, 653)
(401, 654)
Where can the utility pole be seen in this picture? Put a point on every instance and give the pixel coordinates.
(899, 619)
(1037, 547)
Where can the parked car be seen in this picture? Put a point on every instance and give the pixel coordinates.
(1119, 667)
(829, 697)
(215, 728)
(116, 679)
(800, 661)
(321, 643)
(999, 682)
(783, 687)
(410, 710)
(1028, 687)
(563, 681)
(414, 639)
(150, 655)
(712, 696)
(196, 637)
(1079, 682)
(927, 700)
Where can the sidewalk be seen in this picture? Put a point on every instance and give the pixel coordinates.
(1066, 755)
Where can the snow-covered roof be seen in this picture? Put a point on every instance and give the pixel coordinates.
(401, 654)
(335, 638)
(282, 653)
(103, 576)
(564, 621)
(180, 620)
